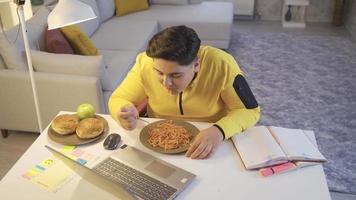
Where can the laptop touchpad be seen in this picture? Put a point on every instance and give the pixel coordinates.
(160, 169)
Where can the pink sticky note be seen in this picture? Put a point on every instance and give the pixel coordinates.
(77, 152)
(88, 156)
(26, 177)
(30, 174)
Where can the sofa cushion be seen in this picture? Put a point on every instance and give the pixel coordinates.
(79, 40)
(71, 64)
(36, 29)
(124, 7)
(172, 2)
(121, 34)
(13, 52)
(118, 63)
(57, 43)
(92, 25)
(106, 9)
(14, 58)
(211, 20)
(66, 64)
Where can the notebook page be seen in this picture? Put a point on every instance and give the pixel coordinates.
(296, 145)
(258, 148)
(311, 137)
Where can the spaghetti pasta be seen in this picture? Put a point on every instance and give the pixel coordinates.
(167, 136)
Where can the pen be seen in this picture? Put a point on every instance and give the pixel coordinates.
(268, 171)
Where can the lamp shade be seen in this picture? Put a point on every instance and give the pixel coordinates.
(68, 12)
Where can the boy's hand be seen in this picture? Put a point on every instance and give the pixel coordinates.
(205, 143)
(128, 116)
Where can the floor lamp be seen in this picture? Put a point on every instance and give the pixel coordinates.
(20, 11)
(66, 12)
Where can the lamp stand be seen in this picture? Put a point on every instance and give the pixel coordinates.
(20, 4)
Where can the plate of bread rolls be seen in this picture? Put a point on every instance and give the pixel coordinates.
(69, 129)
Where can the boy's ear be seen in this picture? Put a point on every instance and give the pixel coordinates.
(197, 65)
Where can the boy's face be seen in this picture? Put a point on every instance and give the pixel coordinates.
(174, 77)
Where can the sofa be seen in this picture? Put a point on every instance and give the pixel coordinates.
(64, 81)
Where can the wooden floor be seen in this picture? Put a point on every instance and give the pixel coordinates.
(12, 148)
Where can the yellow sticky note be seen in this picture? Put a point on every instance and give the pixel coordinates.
(71, 157)
(53, 177)
(67, 149)
(31, 173)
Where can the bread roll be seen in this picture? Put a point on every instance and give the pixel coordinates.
(65, 124)
(90, 128)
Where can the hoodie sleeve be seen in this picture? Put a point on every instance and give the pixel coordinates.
(243, 110)
(130, 91)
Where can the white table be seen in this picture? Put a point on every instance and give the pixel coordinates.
(222, 176)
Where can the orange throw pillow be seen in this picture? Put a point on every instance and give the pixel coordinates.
(79, 41)
(124, 7)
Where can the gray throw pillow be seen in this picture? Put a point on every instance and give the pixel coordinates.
(13, 57)
(12, 50)
(106, 9)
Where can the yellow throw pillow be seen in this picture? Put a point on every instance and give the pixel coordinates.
(79, 41)
(124, 7)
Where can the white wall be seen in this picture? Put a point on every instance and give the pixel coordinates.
(9, 15)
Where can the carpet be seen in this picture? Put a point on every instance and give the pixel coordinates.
(306, 81)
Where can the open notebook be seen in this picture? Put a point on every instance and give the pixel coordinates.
(262, 146)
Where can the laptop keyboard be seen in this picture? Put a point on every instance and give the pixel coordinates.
(134, 181)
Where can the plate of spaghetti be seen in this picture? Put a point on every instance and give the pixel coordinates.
(168, 136)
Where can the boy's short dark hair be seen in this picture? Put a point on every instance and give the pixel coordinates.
(177, 43)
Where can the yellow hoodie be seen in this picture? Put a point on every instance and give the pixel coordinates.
(218, 94)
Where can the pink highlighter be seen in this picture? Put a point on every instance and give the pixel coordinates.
(277, 169)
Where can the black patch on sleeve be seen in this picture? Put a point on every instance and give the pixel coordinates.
(244, 92)
(221, 130)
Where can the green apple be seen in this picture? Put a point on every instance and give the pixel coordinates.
(85, 111)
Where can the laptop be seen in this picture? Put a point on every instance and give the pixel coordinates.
(137, 175)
